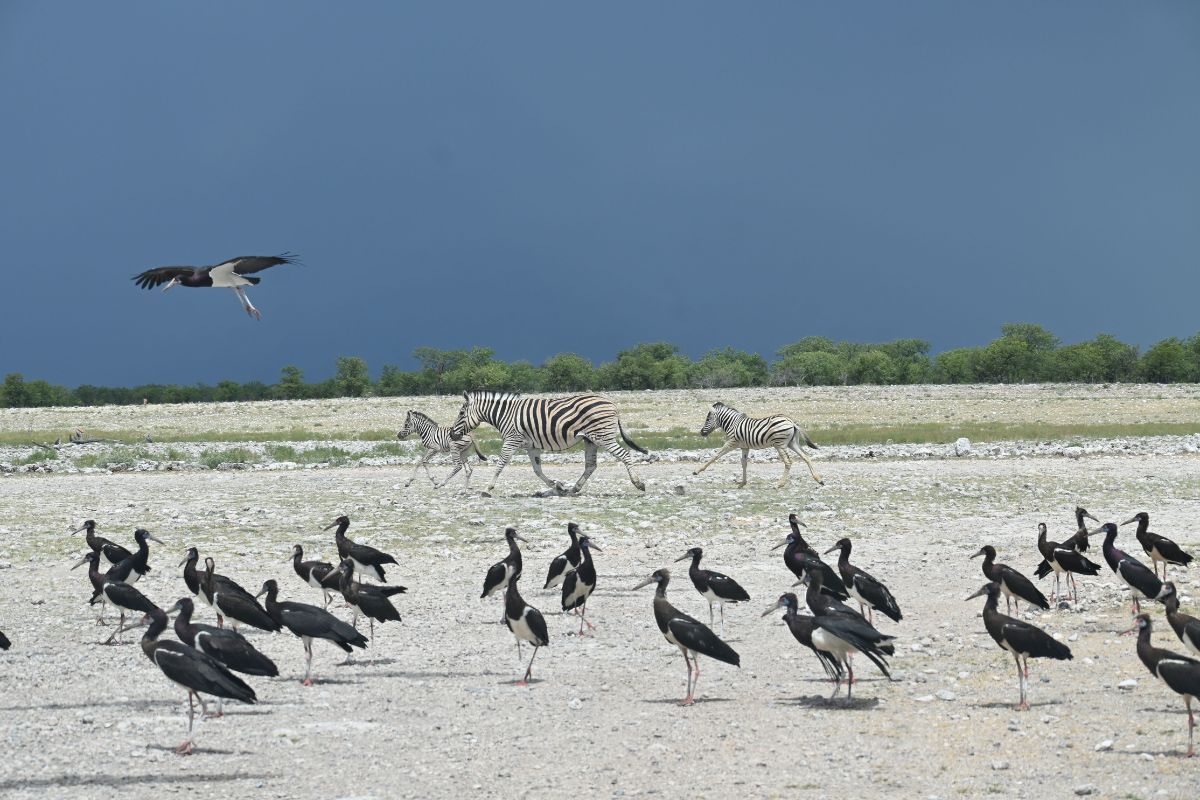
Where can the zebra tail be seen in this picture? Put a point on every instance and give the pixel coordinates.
(802, 434)
(629, 441)
(478, 452)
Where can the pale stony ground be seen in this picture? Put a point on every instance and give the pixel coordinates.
(435, 714)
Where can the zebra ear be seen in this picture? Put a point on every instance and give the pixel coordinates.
(718, 404)
(466, 395)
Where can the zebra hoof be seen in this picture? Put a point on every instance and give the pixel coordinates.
(485, 493)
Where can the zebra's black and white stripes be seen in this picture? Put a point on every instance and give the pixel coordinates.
(754, 433)
(554, 424)
(437, 440)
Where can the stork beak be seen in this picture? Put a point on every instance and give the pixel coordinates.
(175, 608)
(1126, 522)
(1129, 632)
(982, 591)
(80, 563)
(646, 582)
(154, 538)
(781, 544)
(683, 557)
(333, 524)
(1166, 591)
(592, 545)
(77, 530)
(977, 555)
(830, 550)
(772, 609)
(520, 538)
(1093, 519)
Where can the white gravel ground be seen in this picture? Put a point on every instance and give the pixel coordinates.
(435, 715)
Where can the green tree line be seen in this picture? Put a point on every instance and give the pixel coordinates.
(1024, 353)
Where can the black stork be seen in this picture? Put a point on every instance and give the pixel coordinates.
(526, 623)
(566, 562)
(1017, 637)
(505, 570)
(371, 599)
(309, 622)
(235, 274)
(317, 574)
(1129, 569)
(1186, 627)
(96, 578)
(224, 644)
(713, 586)
(1059, 558)
(4, 642)
(111, 551)
(231, 600)
(1159, 548)
(802, 627)
(367, 560)
(123, 595)
(867, 590)
(1180, 673)
(692, 637)
(1014, 585)
(843, 631)
(192, 670)
(1079, 541)
(579, 585)
(198, 582)
(798, 553)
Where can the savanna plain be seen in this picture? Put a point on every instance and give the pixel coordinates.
(430, 709)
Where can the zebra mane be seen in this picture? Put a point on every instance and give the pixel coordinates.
(490, 394)
(420, 415)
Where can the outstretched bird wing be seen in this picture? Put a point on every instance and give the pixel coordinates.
(160, 275)
(246, 265)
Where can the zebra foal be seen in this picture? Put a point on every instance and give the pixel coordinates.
(437, 440)
(538, 425)
(755, 433)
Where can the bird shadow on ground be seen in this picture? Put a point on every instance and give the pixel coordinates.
(245, 712)
(417, 675)
(369, 662)
(518, 682)
(1140, 751)
(825, 701)
(117, 781)
(141, 705)
(674, 701)
(1012, 706)
(203, 751)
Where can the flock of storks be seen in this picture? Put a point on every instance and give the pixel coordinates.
(205, 658)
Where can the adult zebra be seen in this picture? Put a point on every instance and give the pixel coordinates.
(749, 433)
(555, 424)
(436, 439)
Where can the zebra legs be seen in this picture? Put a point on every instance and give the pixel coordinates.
(535, 458)
(618, 451)
(787, 467)
(745, 464)
(728, 447)
(589, 465)
(506, 453)
(796, 449)
(424, 462)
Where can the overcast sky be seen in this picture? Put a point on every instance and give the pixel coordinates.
(552, 177)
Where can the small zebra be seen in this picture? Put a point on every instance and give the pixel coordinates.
(554, 424)
(437, 440)
(753, 433)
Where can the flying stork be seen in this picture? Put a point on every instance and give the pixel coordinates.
(232, 274)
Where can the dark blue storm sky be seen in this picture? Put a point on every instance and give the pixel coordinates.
(551, 177)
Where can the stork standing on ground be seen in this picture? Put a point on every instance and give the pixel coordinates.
(224, 644)
(867, 590)
(713, 586)
(567, 561)
(579, 585)
(1059, 558)
(1014, 585)
(802, 628)
(309, 622)
(1159, 548)
(111, 551)
(316, 574)
(235, 274)
(367, 560)
(1186, 627)
(1180, 673)
(192, 670)
(526, 623)
(1131, 571)
(1019, 638)
(692, 637)
(799, 556)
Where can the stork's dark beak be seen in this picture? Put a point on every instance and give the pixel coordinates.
(333, 524)
(173, 609)
(181, 563)
(772, 609)
(977, 555)
(80, 563)
(980, 593)
(646, 582)
(1126, 522)
(683, 557)
(154, 538)
(1093, 519)
(830, 550)
(781, 544)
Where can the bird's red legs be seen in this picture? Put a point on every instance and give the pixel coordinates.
(1023, 705)
(528, 670)
(307, 665)
(246, 304)
(186, 748)
(1191, 753)
(583, 620)
(689, 700)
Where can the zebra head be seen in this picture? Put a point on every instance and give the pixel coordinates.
(468, 417)
(409, 427)
(715, 419)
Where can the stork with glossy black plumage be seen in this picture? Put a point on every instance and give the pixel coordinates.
(1186, 627)
(867, 590)
(236, 273)
(566, 562)
(4, 642)
(198, 582)
(1131, 571)
(692, 637)
(713, 586)
(798, 554)
(506, 569)
(112, 552)
(1180, 673)
(231, 600)
(1079, 541)
(802, 628)
(1059, 558)
(1017, 637)
(1159, 548)
(309, 622)
(224, 644)
(123, 595)
(371, 599)
(316, 574)
(846, 632)
(367, 560)
(191, 670)
(579, 585)
(96, 578)
(1013, 584)
(526, 623)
